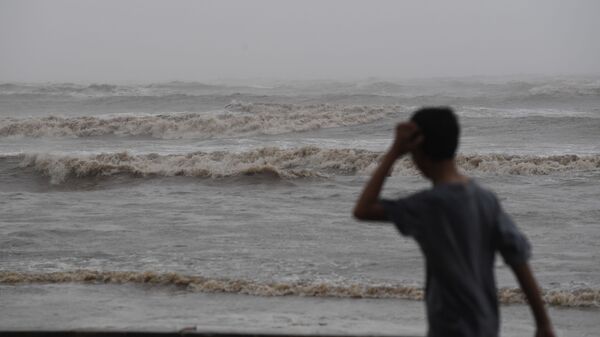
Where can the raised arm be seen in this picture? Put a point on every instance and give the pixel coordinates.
(532, 292)
(367, 206)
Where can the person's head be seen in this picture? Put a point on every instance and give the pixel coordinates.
(440, 131)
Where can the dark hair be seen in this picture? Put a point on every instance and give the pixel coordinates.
(440, 130)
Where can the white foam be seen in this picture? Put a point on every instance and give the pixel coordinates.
(486, 112)
(588, 297)
(308, 161)
(567, 88)
(238, 119)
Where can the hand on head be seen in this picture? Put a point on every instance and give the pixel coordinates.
(408, 137)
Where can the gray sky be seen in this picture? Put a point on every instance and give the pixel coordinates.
(146, 40)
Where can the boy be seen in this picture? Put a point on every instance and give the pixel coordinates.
(458, 225)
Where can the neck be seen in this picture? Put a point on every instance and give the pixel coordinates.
(446, 172)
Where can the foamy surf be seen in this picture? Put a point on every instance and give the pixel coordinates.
(586, 297)
(238, 119)
(304, 162)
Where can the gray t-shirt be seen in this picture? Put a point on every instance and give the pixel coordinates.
(459, 228)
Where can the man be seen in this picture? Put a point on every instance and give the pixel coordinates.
(458, 225)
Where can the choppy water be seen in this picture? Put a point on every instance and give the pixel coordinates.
(247, 190)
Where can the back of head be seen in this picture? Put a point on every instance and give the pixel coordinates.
(440, 130)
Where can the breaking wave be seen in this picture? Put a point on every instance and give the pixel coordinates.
(527, 164)
(238, 119)
(550, 114)
(560, 87)
(64, 89)
(586, 297)
(303, 162)
(567, 88)
(283, 163)
(133, 90)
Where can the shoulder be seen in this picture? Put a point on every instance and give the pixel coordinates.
(412, 203)
(423, 197)
(407, 213)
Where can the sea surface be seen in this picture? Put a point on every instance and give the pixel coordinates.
(226, 206)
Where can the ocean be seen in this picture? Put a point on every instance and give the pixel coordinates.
(227, 206)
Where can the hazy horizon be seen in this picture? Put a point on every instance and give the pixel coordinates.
(258, 81)
(208, 41)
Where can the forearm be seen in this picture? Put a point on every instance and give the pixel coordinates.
(367, 207)
(370, 194)
(532, 292)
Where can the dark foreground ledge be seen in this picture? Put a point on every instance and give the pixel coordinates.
(116, 333)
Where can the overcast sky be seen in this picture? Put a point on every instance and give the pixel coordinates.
(146, 40)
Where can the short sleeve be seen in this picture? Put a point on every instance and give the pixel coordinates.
(510, 242)
(405, 213)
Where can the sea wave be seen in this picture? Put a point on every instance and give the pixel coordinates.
(519, 88)
(69, 89)
(583, 297)
(237, 119)
(571, 88)
(78, 90)
(303, 162)
(473, 88)
(550, 115)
